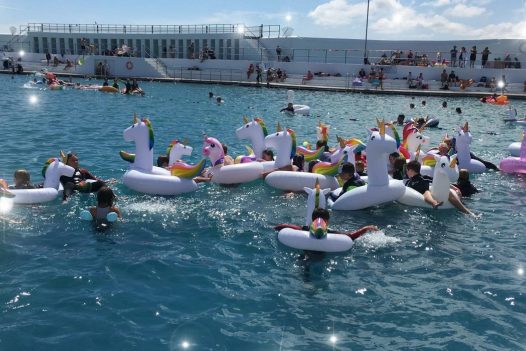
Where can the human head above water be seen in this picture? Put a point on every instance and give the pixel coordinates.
(22, 177)
(105, 197)
(321, 213)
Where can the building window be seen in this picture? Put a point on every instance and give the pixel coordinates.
(36, 47)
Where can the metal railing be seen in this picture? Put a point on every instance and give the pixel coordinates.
(267, 31)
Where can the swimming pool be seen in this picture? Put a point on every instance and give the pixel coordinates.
(204, 270)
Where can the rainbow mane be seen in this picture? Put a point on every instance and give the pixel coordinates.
(293, 137)
(429, 160)
(326, 168)
(262, 125)
(396, 136)
(126, 156)
(358, 145)
(170, 147)
(309, 155)
(184, 170)
(46, 165)
(150, 131)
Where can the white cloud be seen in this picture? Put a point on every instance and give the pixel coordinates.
(461, 10)
(500, 31)
(337, 12)
(436, 3)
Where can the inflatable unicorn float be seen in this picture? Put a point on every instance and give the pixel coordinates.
(255, 131)
(228, 174)
(445, 173)
(380, 188)
(516, 164)
(145, 178)
(284, 143)
(317, 238)
(52, 171)
(462, 142)
(298, 109)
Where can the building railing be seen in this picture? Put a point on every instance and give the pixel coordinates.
(262, 31)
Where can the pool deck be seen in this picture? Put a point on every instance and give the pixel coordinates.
(455, 92)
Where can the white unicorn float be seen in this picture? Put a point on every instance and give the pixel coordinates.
(52, 171)
(255, 131)
(462, 142)
(317, 237)
(413, 141)
(380, 188)
(298, 109)
(175, 151)
(284, 143)
(229, 174)
(142, 176)
(445, 172)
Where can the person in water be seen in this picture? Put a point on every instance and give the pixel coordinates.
(267, 155)
(82, 180)
(105, 199)
(350, 179)
(116, 84)
(289, 108)
(22, 180)
(325, 215)
(418, 183)
(464, 184)
(228, 160)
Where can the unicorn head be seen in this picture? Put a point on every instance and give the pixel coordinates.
(141, 133)
(413, 138)
(445, 173)
(462, 142)
(52, 171)
(176, 150)
(255, 131)
(316, 199)
(213, 149)
(284, 143)
(379, 145)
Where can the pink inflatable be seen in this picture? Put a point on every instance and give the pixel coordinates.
(515, 164)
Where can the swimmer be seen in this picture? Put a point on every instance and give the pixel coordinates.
(289, 108)
(219, 100)
(105, 199)
(458, 110)
(267, 155)
(444, 104)
(210, 94)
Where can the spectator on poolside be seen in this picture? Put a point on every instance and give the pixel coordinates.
(472, 57)
(507, 61)
(372, 74)
(443, 78)
(191, 50)
(462, 57)
(381, 78)
(439, 58)
(485, 54)
(453, 53)
(452, 78)
(278, 53)
(362, 73)
(259, 71)
(250, 70)
(410, 58)
(420, 81)
(410, 80)
(48, 57)
(308, 76)
(517, 63)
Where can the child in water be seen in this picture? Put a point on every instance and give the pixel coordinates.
(22, 180)
(105, 198)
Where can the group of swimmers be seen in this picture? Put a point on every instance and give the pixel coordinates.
(82, 181)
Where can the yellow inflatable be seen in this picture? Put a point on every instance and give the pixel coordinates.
(109, 89)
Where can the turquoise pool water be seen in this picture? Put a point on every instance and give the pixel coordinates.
(204, 271)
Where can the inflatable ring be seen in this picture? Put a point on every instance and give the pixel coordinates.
(129, 65)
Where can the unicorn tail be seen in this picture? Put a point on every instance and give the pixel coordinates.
(184, 170)
(126, 156)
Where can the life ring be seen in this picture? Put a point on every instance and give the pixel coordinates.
(129, 65)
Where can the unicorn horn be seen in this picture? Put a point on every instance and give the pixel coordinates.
(317, 184)
(341, 141)
(135, 118)
(245, 120)
(381, 126)
(278, 128)
(63, 156)
(466, 127)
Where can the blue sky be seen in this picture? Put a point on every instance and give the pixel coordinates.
(389, 19)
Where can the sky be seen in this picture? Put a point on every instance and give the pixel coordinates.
(388, 19)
